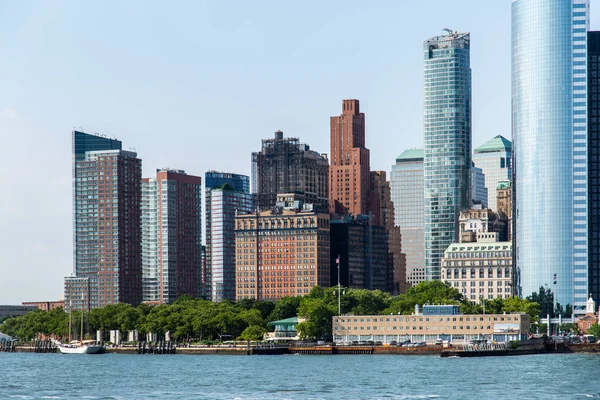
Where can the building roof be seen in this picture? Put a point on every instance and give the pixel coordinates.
(4, 337)
(503, 185)
(411, 155)
(287, 321)
(498, 143)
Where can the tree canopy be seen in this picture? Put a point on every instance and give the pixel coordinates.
(189, 318)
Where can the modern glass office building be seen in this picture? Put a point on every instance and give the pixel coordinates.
(549, 103)
(494, 157)
(447, 131)
(406, 182)
(479, 192)
(594, 162)
(226, 195)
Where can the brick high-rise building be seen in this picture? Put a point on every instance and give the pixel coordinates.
(172, 242)
(283, 251)
(284, 165)
(349, 174)
(107, 222)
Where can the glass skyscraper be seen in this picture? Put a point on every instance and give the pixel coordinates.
(406, 182)
(447, 131)
(226, 195)
(549, 103)
(594, 162)
(494, 157)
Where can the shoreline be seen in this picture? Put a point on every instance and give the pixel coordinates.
(525, 349)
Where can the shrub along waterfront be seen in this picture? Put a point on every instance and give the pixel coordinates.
(191, 319)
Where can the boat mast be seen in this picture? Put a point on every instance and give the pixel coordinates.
(70, 314)
(82, 308)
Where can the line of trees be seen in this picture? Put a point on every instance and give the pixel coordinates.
(191, 319)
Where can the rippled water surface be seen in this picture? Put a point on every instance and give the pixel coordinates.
(111, 376)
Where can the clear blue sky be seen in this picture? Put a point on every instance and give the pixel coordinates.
(196, 85)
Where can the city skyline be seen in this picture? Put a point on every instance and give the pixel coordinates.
(81, 77)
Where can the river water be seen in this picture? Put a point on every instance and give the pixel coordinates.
(114, 376)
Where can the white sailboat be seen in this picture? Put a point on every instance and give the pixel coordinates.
(79, 346)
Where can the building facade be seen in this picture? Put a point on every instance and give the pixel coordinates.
(481, 220)
(45, 305)
(455, 328)
(226, 196)
(494, 158)
(349, 173)
(108, 263)
(549, 124)
(364, 256)
(281, 252)
(151, 291)
(481, 269)
(284, 165)
(479, 193)
(593, 163)
(406, 185)
(382, 214)
(447, 129)
(504, 204)
(179, 233)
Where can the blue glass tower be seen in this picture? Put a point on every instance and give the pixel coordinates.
(549, 116)
(447, 129)
(226, 195)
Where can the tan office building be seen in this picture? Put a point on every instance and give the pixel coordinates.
(456, 328)
(481, 269)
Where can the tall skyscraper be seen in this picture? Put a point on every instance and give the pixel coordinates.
(226, 196)
(494, 157)
(406, 181)
(107, 224)
(172, 235)
(549, 116)
(594, 163)
(284, 165)
(447, 129)
(349, 173)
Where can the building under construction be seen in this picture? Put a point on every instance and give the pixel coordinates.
(284, 165)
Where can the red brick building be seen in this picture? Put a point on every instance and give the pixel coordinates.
(45, 305)
(349, 175)
(179, 234)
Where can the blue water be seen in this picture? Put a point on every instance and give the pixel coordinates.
(112, 376)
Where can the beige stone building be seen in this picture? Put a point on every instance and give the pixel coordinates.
(481, 269)
(281, 252)
(455, 328)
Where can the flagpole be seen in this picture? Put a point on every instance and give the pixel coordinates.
(339, 290)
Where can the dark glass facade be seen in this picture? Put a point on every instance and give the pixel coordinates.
(594, 163)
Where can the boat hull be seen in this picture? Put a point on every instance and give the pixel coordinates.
(85, 349)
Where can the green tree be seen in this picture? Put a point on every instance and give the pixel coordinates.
(286, 307)
(428, 292)
(594, 330)
(318, 313)
(253, 332)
